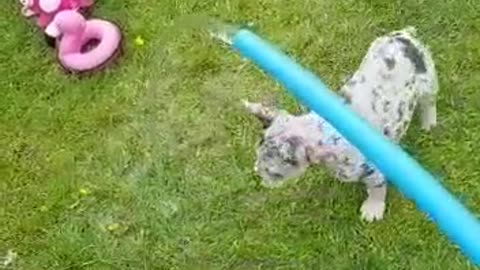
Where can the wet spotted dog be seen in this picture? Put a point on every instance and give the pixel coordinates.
(395, 76)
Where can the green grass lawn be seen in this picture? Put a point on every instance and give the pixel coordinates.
(149, 164)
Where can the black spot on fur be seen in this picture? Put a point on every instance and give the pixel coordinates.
(294, 141)
(352, 82)
(386, 106)
(290, 157)
(292, 161)
(376, 91)
(346, 161)
(374, 107)
(287, 154)
(347, 98)
(336, 140)
(390, 62)
(387, 132)
(401, 110)
(411, 106)
(271, 148)
(367, 170)
(271, 153)
(413, 54)
(408, 84)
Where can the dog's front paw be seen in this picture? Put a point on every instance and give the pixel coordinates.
(372, 210)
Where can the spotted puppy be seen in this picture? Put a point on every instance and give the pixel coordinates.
(396, 74)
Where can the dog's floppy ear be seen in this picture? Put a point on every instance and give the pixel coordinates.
(265, 114)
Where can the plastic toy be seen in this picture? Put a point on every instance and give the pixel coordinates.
(84, 45)
(45, 10)
(454, 219)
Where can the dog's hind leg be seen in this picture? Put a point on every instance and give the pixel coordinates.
(428, 111)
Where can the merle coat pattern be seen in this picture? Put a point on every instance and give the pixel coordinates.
(395, 76)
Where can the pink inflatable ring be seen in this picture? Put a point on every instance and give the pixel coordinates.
(84, 45)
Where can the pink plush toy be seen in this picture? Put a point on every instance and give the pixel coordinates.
(84, 45)
(45, 10)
